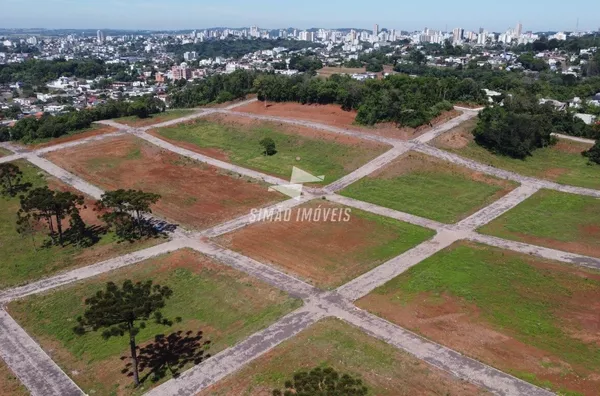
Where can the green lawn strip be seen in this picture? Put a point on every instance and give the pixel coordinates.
(9, 383)
(224, 303)
(513, 295)
(4, 152)
(24, 260)
(317, 156)
(160, 117)
(553, 215)
(441, 196)
(385, 370)
(395, 237)
(577, 169)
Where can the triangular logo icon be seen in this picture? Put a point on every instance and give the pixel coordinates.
(300, 176)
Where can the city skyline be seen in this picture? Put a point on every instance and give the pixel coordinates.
(150, 14)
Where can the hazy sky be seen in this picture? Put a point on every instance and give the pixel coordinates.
(186, 14)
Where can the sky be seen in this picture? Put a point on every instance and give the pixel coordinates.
(535, 15)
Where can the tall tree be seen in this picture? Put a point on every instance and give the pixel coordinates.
(11, 180)
(53, 207)
(125, 310)
(127, 211)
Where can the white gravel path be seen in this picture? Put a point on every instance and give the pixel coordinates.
(83, 273)
(230, 360)
(36, 370)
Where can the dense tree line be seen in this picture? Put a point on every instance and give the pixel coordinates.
(236, 48)
(37, 72)
(522, 125)
(545, 84)
(31, 129)
(401, 99)
(530, 62)
(218, 88)
(571, 44)
(305, 63)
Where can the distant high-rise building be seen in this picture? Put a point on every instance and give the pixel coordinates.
(519, 29)
(100, 36)
(375, 30)
(457, 35)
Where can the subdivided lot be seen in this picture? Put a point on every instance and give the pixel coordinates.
(24, 258)
(533, 318)
(553, 219)
(327, 251)
(385, 370)
(428, 187)
(4, 152)
(561, 163)
(236, 139)
(225, 304)
(9, 383)
(94, 130)
(328, 71)
(333, 115)
(192, 193)
(135, 121)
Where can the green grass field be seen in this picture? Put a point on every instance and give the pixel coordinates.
(527, 302)
(24, 260)
(9, 383)
(241, 145)
(225, 304)
(4, 152)
(553, 219)
(385, 370)
(441, 193)
(562, 163)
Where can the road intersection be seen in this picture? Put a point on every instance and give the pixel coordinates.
(43, 377)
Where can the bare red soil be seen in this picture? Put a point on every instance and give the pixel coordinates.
(192, 193)
(333, 115)
(326, 253)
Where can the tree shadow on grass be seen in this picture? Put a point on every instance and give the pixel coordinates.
(90, 236)
(169, 354)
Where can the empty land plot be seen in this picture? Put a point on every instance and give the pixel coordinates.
(94, 130)
(325, 252)
(192, 193)
(9, 383)
(4, 152)
(24, 258)
(135, 121)
(553, 219)
(428, 187)
(561, 163)
(533, 318)
(236, 139)
(329, 71)
(385, 370)
(333, 115)
(225, 304)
